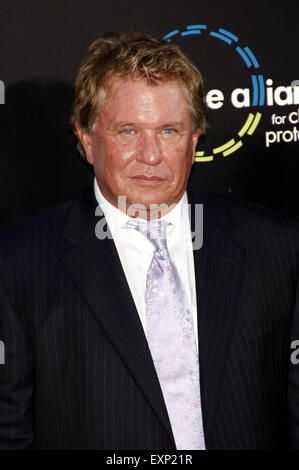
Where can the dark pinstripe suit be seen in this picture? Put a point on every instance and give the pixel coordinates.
(78, 372)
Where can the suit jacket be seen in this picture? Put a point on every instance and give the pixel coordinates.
(78, 373)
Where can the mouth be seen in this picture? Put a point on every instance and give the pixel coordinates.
(148, 180)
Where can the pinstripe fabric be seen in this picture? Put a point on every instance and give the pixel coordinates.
(78, 371)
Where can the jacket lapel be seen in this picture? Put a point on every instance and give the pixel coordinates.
(219, 266)
(95, 268)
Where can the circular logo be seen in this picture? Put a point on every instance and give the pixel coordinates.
(240, 96)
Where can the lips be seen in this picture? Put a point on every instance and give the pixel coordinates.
(148, 179)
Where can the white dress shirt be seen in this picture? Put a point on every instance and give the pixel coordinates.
(136, 251)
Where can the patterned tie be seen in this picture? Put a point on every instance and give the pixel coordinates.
(171, 340)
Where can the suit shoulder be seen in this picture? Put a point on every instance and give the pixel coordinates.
(257, 216)
(251, 219)
(34, 230)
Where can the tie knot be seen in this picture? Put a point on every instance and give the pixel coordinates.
(155, 231)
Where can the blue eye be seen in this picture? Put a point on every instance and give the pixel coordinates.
(168, 131)
(127, 131)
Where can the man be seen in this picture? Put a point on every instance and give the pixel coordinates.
(119, 335)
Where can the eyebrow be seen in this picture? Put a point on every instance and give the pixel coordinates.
(123, 124)
(133, 124)
(175, 124)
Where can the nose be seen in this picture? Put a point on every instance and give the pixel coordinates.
(149, 151)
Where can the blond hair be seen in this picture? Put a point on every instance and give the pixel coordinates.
(133, 54)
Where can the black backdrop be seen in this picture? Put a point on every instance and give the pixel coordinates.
(247, 50)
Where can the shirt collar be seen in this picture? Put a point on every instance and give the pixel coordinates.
(116, 219)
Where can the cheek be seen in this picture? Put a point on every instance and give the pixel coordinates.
(120, 159)
(114, 157)
(179, 159)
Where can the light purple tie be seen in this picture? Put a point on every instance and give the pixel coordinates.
(171, 340)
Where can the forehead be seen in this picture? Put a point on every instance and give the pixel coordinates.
(135, 98)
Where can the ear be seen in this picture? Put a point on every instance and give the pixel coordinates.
(85, 139)
(195, 137)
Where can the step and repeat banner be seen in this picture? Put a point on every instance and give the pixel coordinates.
(246, 51)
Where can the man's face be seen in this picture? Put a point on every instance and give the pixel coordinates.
(143, 145)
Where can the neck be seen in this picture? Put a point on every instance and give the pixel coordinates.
(155, 211)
